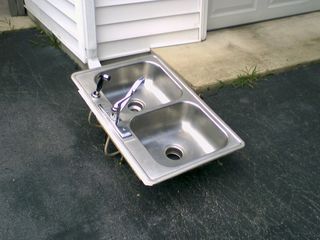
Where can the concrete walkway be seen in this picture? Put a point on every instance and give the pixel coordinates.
(9, 23)
(270, 46)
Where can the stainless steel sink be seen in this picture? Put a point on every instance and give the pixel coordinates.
(168, 128)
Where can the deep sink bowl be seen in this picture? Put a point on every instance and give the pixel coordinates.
(178, 134)
(168, 128)
(158, 87)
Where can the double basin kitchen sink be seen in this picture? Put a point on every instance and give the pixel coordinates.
(163, 128)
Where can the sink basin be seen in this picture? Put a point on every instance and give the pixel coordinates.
(178, 134)
(165, 129)
(158, 87)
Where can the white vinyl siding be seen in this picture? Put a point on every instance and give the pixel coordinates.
(122, 27)
(134, 26)
(60, 17)
(126, 27)
(140, 45)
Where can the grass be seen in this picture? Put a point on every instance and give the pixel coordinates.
(45, 38)
(53, 40)
(247, 78)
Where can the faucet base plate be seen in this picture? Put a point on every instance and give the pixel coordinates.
(123, 131)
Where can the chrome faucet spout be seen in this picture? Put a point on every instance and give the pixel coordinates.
(120, 104)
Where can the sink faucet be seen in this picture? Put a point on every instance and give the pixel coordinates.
(101, 78)
(120, 104)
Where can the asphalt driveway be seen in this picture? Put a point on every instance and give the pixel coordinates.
(55, 182)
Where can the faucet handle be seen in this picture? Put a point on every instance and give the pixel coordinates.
(102, 77)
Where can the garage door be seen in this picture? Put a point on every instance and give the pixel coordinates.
(225, 13)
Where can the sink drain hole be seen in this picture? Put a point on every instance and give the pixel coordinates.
(135, 106)
(174, 153)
